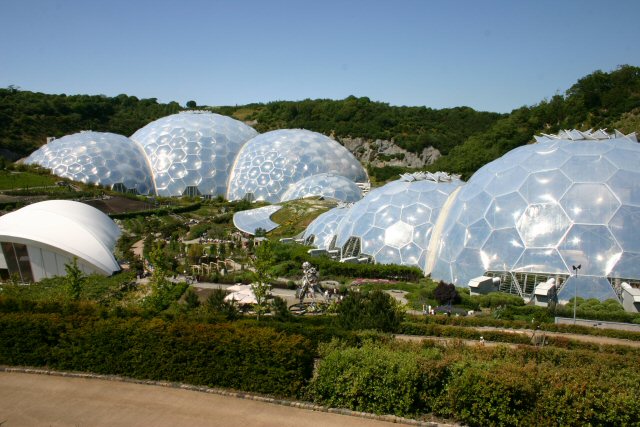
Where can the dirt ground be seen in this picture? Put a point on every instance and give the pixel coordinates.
(118, 205)
(55, 401)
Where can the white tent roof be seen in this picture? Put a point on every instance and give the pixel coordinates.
(72, 227)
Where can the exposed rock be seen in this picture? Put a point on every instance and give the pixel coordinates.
(381, 153)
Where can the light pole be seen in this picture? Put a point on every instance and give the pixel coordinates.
(575, 289)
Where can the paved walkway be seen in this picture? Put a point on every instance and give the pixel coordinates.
(55, 401)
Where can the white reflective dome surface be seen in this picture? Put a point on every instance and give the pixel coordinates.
(326, 185)
(543, 208)
(322, 230)
(269, 163)
(96, 158)
(394, 222)
(192, 150)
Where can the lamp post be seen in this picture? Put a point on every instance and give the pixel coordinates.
(575, 289)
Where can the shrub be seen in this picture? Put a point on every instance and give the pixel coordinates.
(249, 358)
(372, 310)
(369, 379)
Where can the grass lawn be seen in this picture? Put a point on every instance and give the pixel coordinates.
(15, 180)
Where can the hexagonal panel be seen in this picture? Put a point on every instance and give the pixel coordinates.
(386, 216)
(626, 185)
(372, 241)
(543, 225)
(625, 227)
(589, 203)
(505, 210)
(416, 214)
(476, 234)
(506, 181)
(502, 249)
(545, 187)
(591, 246)
(586, 287)
(628, 266)
(398, 234)
(538, 260)
(588, 169)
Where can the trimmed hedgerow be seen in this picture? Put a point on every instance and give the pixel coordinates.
(481, 386)
(256, 359)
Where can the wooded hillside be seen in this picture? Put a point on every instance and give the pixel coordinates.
(467, 138)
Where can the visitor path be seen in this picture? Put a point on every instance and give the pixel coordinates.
(51, 400)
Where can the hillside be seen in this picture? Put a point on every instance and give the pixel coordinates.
(387, 139)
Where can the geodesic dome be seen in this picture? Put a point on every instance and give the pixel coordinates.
(191, 152)
(269, 163)
(569, 200)
(393, 223)
(322, 230)
(96, 158)
(327, 185)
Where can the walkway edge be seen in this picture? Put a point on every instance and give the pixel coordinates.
(223, 392)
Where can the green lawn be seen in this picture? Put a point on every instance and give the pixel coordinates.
(14, 180)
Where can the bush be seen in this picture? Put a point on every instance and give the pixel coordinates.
(372, 310)
(256, 359)
(369, 379)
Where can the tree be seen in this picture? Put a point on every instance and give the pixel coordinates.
(74, 279)
(261, 286)
(446, 293)
(191, 104)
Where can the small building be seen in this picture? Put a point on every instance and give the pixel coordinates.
(38, 240)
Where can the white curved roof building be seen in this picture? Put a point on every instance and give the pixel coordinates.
(271, 162)
(97, 158)
(191, 153)
(569, 200)
(38, 240)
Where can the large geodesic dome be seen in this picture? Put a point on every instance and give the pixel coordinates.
(97, 158)
(327, 185)
(393, 223)
(322, 230)
(191, 153)
(566, 207)
(269, 163)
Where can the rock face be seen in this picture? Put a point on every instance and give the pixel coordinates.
(381, 153)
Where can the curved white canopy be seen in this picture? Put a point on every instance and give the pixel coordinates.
(72, 227)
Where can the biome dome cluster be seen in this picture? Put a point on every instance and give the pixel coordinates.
(565, 208)
(198, 153)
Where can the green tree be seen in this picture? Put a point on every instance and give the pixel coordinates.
(446, 293)
(261, 286)
(74, 279)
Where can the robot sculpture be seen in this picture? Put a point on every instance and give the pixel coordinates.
(309, 284)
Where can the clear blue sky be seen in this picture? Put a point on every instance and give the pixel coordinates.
(489, 55)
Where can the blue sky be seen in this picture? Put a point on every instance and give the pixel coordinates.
(489, 55)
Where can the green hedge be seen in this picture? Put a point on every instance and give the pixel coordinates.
(482, 386)
(255, 359)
